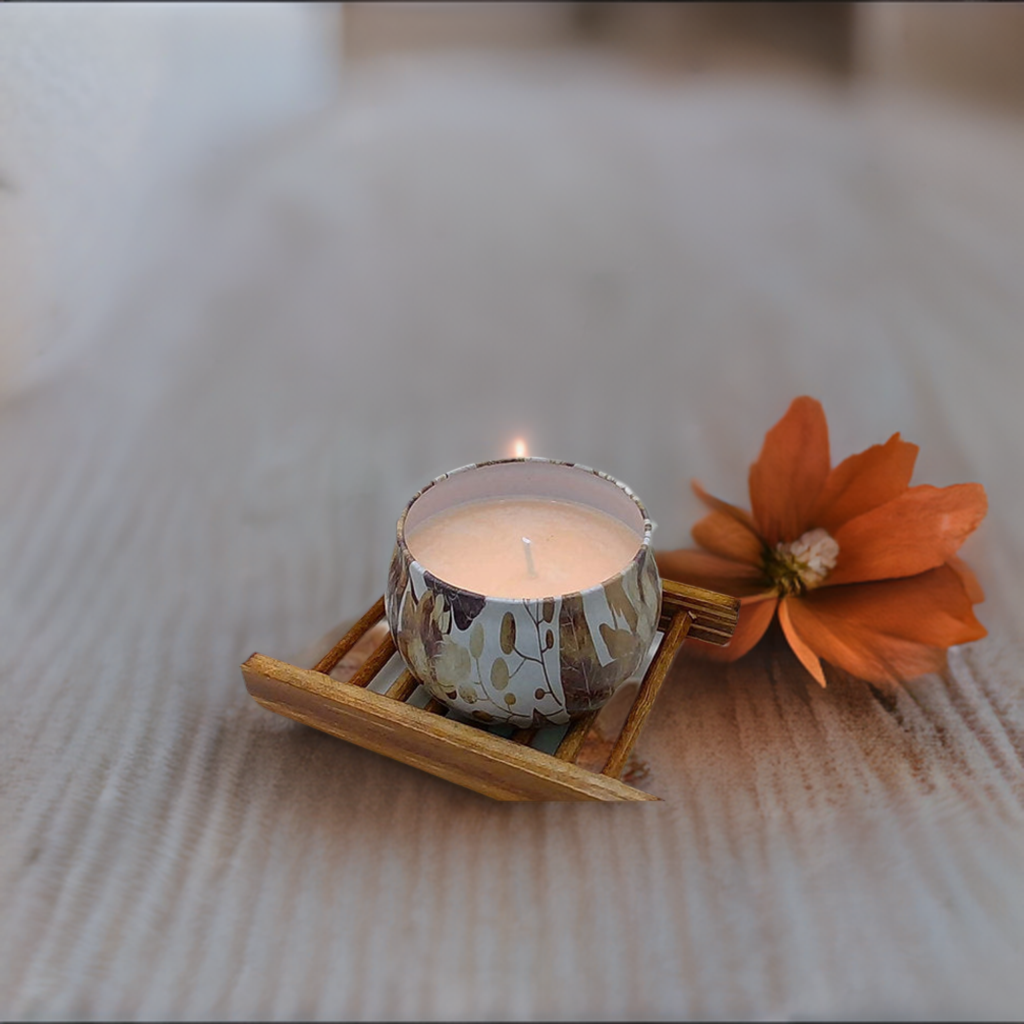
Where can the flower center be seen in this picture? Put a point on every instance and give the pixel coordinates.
(802, 564)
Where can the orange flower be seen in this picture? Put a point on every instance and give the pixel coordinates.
(860, 566)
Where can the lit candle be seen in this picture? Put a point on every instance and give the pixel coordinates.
(523, 547)
(523, 590)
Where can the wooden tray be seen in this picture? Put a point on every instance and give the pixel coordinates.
(472, 755)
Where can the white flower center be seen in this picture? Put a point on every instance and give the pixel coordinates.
(810, 558)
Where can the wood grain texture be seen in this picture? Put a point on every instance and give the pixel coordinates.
(369, 618)
(574, 736)
(444, 747)
(381, 655)
(635, 274)
(712, 616)
(403, 687)
(651, 685)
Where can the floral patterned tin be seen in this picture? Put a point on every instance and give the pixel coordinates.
(527, 662)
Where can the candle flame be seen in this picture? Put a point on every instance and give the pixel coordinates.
(519, 450)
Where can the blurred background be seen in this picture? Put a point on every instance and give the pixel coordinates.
(970, 49)
(105, 108)
(266, 269)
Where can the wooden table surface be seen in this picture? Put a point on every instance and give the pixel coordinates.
(634, 274)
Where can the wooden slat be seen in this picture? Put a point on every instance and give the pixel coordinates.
(374, 663)
(714, 615)
(524, 736)
(403, 687)
(568, 749)
(351, 638)
(436, 707)
(648, 692)
(678, 596)
(452, 750)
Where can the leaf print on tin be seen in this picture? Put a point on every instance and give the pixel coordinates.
(547, 609)
(436, 660)
(650, 588)
(499, 674)
(585, 682)
(465, 607)
(646, 616)
(621, 643)
(416, 614)
(415, 655)
(451, 664)
(476, 640)
(418, 636)
(398, 577)
(619, 604)
(441, 615)
(507, 636)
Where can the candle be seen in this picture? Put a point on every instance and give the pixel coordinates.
(523, 590)
(491, 546)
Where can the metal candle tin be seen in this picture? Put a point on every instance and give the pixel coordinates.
(524, 661)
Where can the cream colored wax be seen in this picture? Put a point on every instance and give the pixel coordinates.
(487, 546)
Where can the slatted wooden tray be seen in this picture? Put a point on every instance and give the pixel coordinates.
(505, 767)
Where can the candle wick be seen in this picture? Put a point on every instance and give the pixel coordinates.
(531, 569)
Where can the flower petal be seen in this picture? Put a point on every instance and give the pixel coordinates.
(790, 471)
(967, 577)
(755, 617)
(887, 631)
(720, 533)
(710, 571)
(864, 481)
(921, 529)
(808, 658)
(717, 505)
